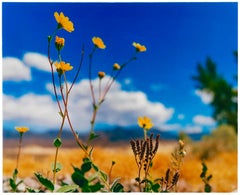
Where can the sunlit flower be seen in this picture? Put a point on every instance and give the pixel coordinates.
(116, 66)
(139, 47)
(22, 129)
(145, 122)
(63, 67)
(97, 41)
(59, 43)
(64, 22)
(101, 74)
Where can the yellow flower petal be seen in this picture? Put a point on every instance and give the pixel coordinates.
(22, 129)
(97, 41)
(59, 43)
(145, 122)
(64, 22)
(63, 67)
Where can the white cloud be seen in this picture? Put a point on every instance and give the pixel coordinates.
(119, 108)
(170, 127)
(36, 60)
(203, 120)
(32, 110)
(193, 129)
(206, 97)
(15, 70)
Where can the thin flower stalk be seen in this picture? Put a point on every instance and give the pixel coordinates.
(19, 150)
(102, 95)
(63, 111)
(21, 131)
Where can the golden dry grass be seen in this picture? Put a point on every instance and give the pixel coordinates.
(223, 167)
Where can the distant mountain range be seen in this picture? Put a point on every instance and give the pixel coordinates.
(114, 134)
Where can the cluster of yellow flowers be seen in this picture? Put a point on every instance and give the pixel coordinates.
(66, 24)
(62, 67)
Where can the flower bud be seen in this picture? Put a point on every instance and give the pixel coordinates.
(59, 43)
(101, 74)
(98, 42)
(116, 66)
(139, 47)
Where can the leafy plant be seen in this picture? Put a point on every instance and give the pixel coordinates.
(13, 181)
(205, 178)
(97, 181)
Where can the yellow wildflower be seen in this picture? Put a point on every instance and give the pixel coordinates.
(116, 66)
(64, 22)
(22, 129)
(97, 41)
(139, 47)
(59, 43)
(63, 67)
(145, 122)
(101, 74)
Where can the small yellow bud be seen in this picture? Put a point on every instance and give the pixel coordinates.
(59, 43)
(101, 74)
(116, 66)
(98, 42)
(139, 47)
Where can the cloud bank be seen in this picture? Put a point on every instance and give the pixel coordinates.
(119, 108)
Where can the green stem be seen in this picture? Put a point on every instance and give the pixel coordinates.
(145, 134)
(19, 149)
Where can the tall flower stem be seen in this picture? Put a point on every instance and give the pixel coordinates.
(65, 101)
(52, 73)
(19, 149)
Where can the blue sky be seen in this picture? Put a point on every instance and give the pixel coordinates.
(158, 84)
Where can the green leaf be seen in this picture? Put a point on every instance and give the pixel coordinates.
(79, 179)
(93, 136)
(68, 188)
(86, 167)
(12, 184)
(95, 167)
(57, 142)
(155, 187)
(208, 188)
(96, 187)
(60, 113)
(117, 187)
(32, 190)
(15, 173)
(44, 181)
(103, 175)
(204, 167)
(209, 177)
